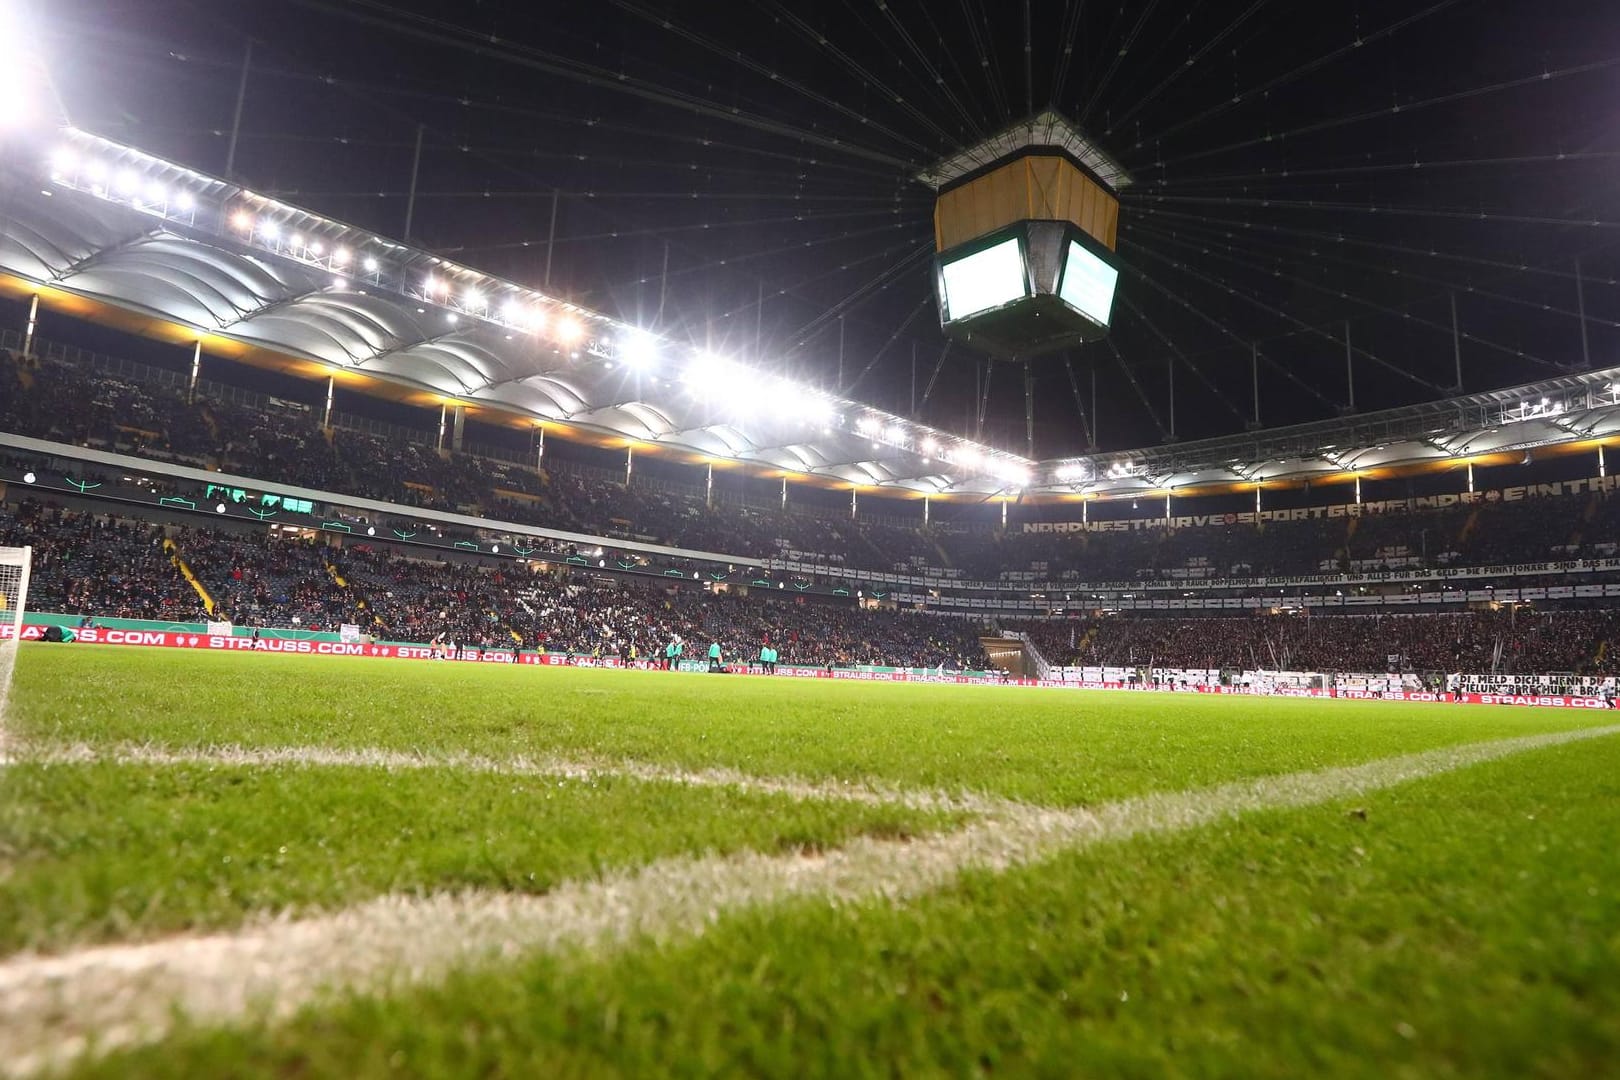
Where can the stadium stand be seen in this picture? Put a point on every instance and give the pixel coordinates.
(282, 442)
(1577, 641)
(95, 565)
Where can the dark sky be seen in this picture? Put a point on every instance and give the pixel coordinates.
(1298, 165)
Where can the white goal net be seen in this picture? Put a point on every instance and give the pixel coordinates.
(14, 563)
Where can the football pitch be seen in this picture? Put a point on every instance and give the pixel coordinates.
(274, 866)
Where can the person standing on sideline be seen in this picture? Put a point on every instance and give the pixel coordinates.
(714, 656)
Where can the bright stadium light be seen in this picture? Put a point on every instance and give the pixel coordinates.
(155, 193)
(370, 264)
(512, 312)
(184, 202)
(127, 182)
(639, 349)
(269, 230)
(474, 300)
(431, 285)
(315, 248)
(340, 283)
(64, 159)
(569, 330)
(929, 445)
(242, 221)
(895, 434)
(96, 170)
(340, 256)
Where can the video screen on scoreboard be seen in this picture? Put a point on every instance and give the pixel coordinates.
(1088, 284)
(984, 280)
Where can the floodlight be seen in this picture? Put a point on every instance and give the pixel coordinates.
(474, 300)
(340, 256)
(155, 193)
(16, 109)
(866, 424)
(930, 445)
(639, 349)
(127, 182)
(452, 318)
(184, 201)
(96, 170)
(895, 434)
(64, 159)
(569, 329)
(340, 283)
(512, 312)
(29, 478)
(316, 248)
(431, 285)
(242, 220)
(370, 264)
(296, 240)
(269, 230)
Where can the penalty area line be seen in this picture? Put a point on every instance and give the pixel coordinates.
(107, 997)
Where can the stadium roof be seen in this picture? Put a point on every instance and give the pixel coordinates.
(97, 219)
(86, 217)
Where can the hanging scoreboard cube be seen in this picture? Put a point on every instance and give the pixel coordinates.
(1024, 231)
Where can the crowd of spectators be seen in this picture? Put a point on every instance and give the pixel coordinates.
(1508, 640)
(93, 565)
(284, 442)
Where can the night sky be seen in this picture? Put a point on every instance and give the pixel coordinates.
(1298, 166)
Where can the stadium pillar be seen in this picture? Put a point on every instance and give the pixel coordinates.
(1603, 467)
(1349, 368)
(1470, 478)
(416, 168)
(1358, 491)
(1085, 511)
(852, 504)
(1167, 506)
(326, 420)
(1004, 512)
(784, 493)
(442, 408)
(1257, 498)
(540, 448)
(33, 320)
(629, 463)
(1456, 342)
(925, 498)
(708, 487)
(236, 120)
(460, 423)
(551, 237)
(1254, 375)
(1580, 309)
(196, 369)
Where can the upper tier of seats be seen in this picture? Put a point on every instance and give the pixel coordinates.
(276, 442)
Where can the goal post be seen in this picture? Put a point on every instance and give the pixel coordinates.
(14, 565)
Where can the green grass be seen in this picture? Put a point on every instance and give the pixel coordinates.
(1046, 746)
(113, 852)
(1468, 925)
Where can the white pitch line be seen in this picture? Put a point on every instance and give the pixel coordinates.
(106, 997)
(865, 792)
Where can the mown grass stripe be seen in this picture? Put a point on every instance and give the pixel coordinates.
(865, 792)
(107, 997)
